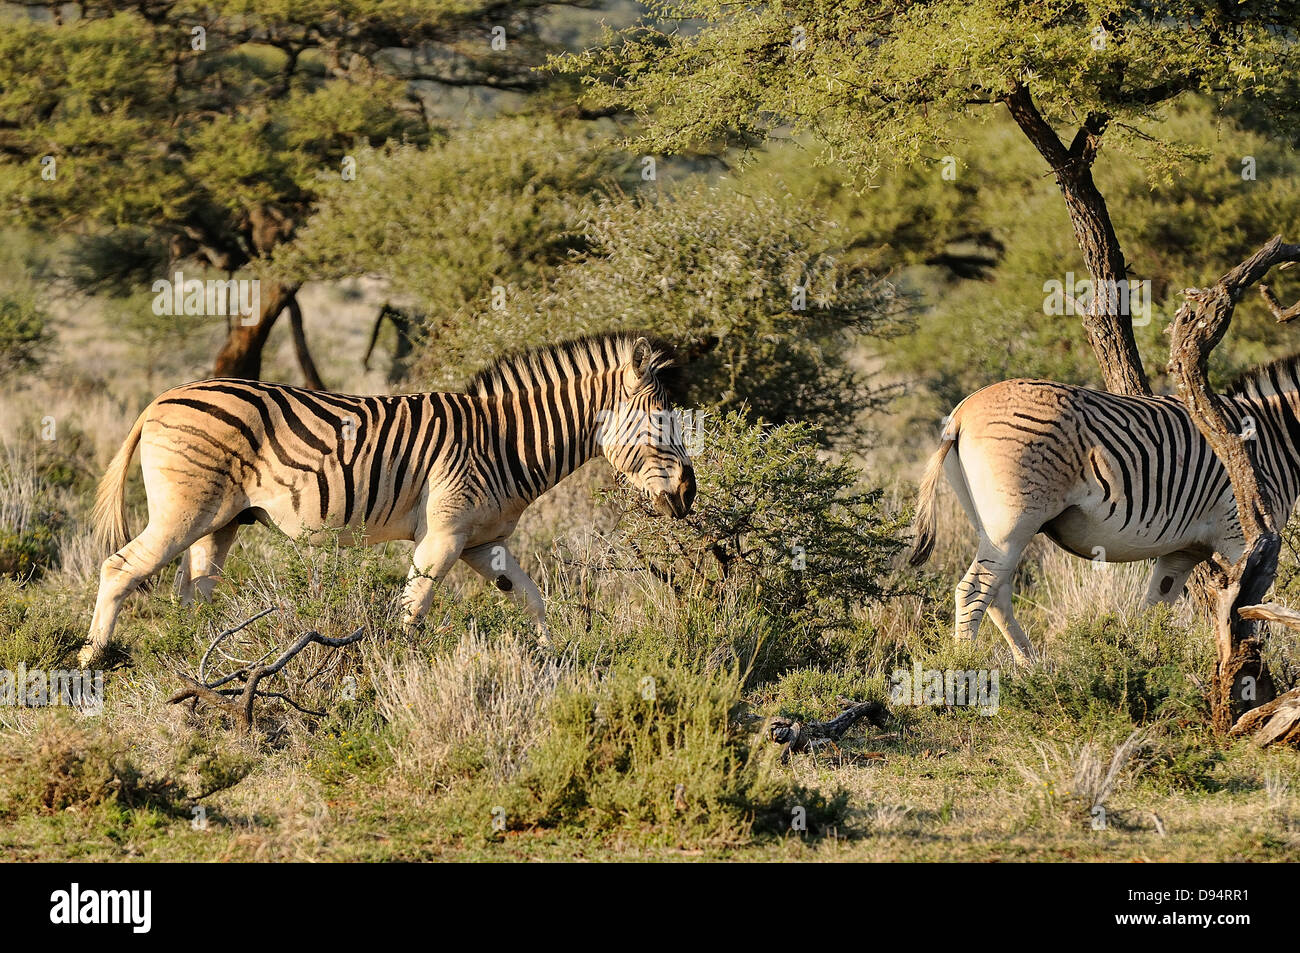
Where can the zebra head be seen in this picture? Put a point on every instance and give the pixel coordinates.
(642, 436)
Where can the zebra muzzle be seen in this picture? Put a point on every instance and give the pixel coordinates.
(678, 502)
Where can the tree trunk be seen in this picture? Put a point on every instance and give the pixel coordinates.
(1241, 682)
(241, 355)
(308, 366)
(1107, 321)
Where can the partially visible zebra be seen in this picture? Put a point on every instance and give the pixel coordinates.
(1105, 477)
(451, 471)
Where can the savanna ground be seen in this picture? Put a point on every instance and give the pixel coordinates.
(644, 738)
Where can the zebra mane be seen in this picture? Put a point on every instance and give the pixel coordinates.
(1281, 376)
(526, 370)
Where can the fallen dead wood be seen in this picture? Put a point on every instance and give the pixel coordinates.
(1276, 721)
(238, 702)
(799, 736)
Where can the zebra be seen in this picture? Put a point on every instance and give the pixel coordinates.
(1105, 477)
(452, 472)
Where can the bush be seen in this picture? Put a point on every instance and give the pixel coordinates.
(748, 287)
(776, 520)
(63, 767)
(31, 517)
(1107, 670)
(498, 205)
(39, 627)
(24, 334)
(520, 236)
(654, 750)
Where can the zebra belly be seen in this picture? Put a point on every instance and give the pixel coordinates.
(297, 511)
(1092, 532)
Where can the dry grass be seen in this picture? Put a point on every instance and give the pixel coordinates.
(1073, 781)
(481, 706)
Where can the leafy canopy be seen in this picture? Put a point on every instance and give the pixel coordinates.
(880, 83)
(202, 130)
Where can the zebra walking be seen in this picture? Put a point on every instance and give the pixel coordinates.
(1105, 477)
(451, 471)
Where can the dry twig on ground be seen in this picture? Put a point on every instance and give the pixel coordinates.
(238, 702)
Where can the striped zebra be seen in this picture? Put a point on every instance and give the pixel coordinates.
(1105, 477)
(452, 472)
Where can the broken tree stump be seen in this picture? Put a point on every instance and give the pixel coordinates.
(1276, 721)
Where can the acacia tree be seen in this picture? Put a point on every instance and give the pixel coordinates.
(156, 133)
(883, 83)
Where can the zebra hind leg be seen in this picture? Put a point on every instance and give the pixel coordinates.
(126, 569)
(202, 562)
(986, 587)
(1000, 612)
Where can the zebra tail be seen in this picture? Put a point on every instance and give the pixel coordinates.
(923, 526)
(109, 516)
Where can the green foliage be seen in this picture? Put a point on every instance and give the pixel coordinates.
(67, 767)
(882, 84)
(749, 288)
(40, 628)
(24, 334)
(1178, 234)
(31, 515)
(654, 750)
(349, 748)
(517, 235)
(1109, 671)
(777, 520)
(496, 205)
(200, 133)
(812, 694)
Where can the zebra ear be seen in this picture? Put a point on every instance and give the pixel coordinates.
(643, 355)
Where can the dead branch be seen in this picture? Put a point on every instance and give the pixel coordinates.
(238, 702)
(1272, 612)
(1277, 722)
(1275, 306)
(799, 736)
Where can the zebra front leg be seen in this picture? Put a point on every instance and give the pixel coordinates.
(495, 563)
(433, 558)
